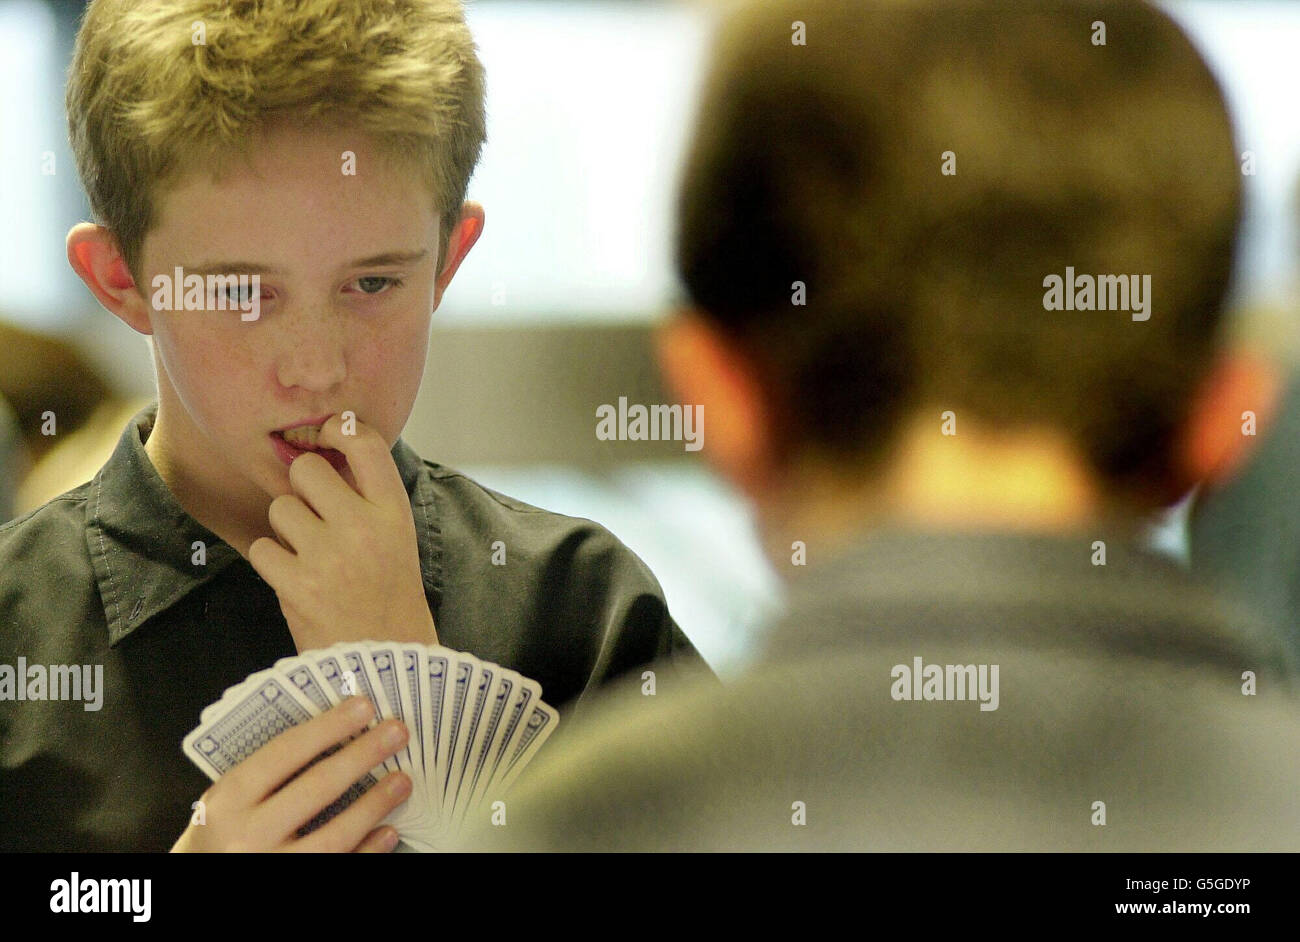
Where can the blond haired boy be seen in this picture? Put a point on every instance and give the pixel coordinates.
(266, 504)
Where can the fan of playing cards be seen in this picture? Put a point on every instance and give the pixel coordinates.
(474, 725)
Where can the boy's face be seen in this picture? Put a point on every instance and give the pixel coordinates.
(339, 328)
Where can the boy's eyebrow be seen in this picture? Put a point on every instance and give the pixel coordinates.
(388, 258)
(253, 268)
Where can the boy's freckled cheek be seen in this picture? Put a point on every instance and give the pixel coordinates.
(215, 370)
(222, 357)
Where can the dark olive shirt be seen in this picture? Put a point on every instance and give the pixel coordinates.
(106, 574)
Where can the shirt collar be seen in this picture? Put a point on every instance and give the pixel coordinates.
(141, 540)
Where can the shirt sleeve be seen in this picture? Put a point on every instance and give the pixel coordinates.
(639, 632)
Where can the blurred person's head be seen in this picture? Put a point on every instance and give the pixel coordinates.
(324, 146)
(870, 216)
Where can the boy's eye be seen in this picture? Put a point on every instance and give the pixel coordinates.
(238, 294)
(377, 284)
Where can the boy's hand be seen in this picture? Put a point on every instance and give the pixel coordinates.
(349, 566)
(245, 812)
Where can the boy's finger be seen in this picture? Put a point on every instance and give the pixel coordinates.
(321, 785)
(293, 521)
(320, 487)
(271, 561)
(379, 841)
(268, 768)
(370, 459)
(350, 829)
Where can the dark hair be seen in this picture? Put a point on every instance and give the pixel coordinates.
(821, 163)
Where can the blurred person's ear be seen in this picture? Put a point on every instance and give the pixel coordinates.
(1231, 411)
(703, 367)
(94, 255)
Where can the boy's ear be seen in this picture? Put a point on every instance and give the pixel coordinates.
(702, 366)
(94, 255)
(463, 237)
(1234, 407)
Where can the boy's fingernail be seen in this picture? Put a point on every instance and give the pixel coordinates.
(388, 841)
(394, 735)
(399, 784)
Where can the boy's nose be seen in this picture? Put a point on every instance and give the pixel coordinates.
(312, 354)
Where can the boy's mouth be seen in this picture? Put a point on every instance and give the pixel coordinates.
(292, 442)
(304, 437)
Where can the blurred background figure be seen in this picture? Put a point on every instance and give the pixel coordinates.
(589, 104)
(955, 468)
(12, 459)
(1245, 533)
(58, 418)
